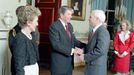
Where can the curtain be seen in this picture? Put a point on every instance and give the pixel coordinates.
(99, 4)
(130, 10)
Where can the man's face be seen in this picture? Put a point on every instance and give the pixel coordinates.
(66, 17)
(92, 20)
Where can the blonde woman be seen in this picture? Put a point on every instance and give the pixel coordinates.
(123, 44)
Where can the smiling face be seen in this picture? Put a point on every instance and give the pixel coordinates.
(123, 26)
(97, 17)
(66, 17)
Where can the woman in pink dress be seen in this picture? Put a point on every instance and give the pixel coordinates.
(123, 44)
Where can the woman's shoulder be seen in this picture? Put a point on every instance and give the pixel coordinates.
(20, 36)
(132, 34)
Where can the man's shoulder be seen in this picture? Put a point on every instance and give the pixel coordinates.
(12, 32)
(17, 28)
(56, 24)
(101, 28)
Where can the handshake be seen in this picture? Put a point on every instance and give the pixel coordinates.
(79, 53)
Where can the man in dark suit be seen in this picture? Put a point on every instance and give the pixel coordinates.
(96, 50)
(63, 43)
(11, 38)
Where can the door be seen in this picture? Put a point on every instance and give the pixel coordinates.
(49, 10)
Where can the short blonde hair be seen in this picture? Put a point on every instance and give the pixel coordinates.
(28, 14)
(127, 23)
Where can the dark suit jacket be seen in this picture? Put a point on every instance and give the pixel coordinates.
(61, 58)
(11, 39)
(96, 52)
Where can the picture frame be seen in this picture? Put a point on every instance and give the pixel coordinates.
(79, 7)
(30, 2)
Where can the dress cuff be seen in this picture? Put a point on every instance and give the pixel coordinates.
(125, 53)
(72, 52)
(116, 52)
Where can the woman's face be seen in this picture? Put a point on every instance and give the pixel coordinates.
(123, 26)
(76, 3)
(33, 24)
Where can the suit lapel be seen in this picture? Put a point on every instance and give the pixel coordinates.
(63, 31)
(95, 34)
(122, 38)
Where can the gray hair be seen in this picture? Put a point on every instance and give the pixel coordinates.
(28, 14)
(99, 14)
(63, 10)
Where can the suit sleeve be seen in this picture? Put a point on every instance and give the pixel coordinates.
(101, 46)
(10, 40)
(77, 43)
(54, 36)
(116, 42)
(19, 51)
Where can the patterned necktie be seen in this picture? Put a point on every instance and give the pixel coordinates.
(68, 32)
(90, 35)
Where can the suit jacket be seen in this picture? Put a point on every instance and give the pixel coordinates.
(61, 58)
(11, 39)
(96, 52)
(12, 34)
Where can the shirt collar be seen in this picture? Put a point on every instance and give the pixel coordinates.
(96, 27)
(64, 25)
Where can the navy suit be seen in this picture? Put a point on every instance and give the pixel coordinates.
(96, 52)
(11, 39)
(61, 58)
